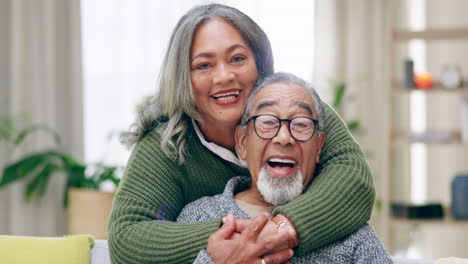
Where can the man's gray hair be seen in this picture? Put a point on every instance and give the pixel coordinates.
(283, 77)
(173, 107)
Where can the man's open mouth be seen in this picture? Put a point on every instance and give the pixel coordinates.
(278, 167)
(275, 162)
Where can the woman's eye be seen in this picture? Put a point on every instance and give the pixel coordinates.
(202, 66)
(238, 59)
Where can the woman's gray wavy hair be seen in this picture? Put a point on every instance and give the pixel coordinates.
(283, 77)
(173, 107)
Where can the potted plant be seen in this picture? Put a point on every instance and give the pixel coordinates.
(339, 91)
(86, 214)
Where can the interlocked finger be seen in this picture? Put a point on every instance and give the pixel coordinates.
(255, 227)
(278, 257)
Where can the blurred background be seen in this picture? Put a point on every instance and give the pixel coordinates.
(72, 73)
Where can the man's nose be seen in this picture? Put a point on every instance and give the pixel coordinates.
(283, 137)
(223, 74)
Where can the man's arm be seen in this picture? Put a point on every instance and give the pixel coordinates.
(340, 198)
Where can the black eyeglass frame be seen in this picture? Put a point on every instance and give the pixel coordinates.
(281, 120)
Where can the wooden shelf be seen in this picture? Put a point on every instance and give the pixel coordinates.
(448, 220)
(437, 89)
(454, 138)
(431, 34)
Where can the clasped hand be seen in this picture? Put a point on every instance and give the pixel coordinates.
(250, 241)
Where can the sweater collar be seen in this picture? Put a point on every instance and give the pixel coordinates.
(224, 153)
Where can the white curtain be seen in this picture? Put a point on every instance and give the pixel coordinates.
(351, 46)
(40, 67)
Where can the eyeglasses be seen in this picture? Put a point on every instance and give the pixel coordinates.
(267, 126)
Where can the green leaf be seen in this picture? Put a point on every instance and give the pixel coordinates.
(22, 168)
(353, 125)
(340, 89)
(110, 175)
(70, 162)
(38, 184)
(31, 129)
(7, 129)
(75, 176)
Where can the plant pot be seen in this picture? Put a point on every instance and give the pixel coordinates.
(88, 212)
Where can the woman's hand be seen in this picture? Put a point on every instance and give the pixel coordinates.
(270, 229)
(227, 246)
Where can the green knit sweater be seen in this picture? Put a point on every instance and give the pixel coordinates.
(155, 188)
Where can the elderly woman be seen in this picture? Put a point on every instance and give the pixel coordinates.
(185, 149)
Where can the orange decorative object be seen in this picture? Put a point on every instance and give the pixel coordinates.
(423, 81)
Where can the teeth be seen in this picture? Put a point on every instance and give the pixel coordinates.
(282, 160)
(226, 98)
(230, 94)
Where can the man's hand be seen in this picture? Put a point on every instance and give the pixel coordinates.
(270, 229)
(227, 246)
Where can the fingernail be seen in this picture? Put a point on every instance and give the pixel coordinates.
(291, 253)
(255, 227)
(224, 219)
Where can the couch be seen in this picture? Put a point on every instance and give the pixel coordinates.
(100, 255)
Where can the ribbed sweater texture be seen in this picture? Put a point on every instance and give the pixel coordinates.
(362, 246)
(155, 188)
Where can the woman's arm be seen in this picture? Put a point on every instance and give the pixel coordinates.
(151, 190)
(151, 195)
(340, 198)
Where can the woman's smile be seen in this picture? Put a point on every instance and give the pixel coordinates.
(226, 97)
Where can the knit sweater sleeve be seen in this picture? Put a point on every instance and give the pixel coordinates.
(341, 196)
(150, 193)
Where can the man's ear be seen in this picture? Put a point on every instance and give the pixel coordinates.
(241, 141)
(321, 141)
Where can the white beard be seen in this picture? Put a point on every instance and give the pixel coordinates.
(279, 191)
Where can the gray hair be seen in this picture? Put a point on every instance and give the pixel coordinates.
(283, 77)
(173, 107)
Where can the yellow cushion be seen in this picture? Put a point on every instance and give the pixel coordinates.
(452, 260)
(38, 250)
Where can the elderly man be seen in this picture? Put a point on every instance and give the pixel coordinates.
(280, 138)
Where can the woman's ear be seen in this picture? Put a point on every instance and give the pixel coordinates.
(241, 139)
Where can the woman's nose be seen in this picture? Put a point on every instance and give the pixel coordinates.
(223, 74)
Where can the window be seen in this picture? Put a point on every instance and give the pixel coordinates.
(123, 45)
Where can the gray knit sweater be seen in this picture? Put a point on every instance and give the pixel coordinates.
(362, 246)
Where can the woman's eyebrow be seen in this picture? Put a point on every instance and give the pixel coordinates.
(203, 55)
(211, 54)
(233, 47)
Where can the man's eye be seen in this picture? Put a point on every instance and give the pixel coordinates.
(301, 125)
(237, 59)
(269, 124)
